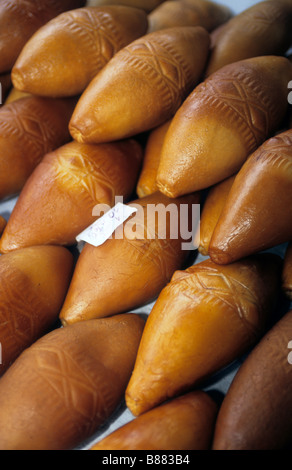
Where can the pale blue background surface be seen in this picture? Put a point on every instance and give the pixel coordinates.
(237, 6)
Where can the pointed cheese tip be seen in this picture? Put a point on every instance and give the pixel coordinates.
(64, 322)
(18, 79)
(76, 134)
(133, 405)
(6, 246)
(142, 192)
(69, 315)
(167, 189)
(288, 292)
(84, 129)
(203, 250)
(74, 311)
(219, 256)
(66, 319)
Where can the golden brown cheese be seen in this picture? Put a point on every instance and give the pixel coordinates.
(142, 86)
(258, 211)
(204, 319)
(262, 29)
(29, 128)
(65, 54)
(256, 412)
(225, 119)
(67, 384)
(131, 267)
(58, 201)
(20, 19)
(33, 286)
(184, 423)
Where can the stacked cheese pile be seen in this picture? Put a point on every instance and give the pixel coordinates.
(163, 104)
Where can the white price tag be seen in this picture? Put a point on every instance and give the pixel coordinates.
(103, 228)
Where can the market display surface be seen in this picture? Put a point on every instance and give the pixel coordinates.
(172, 329)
